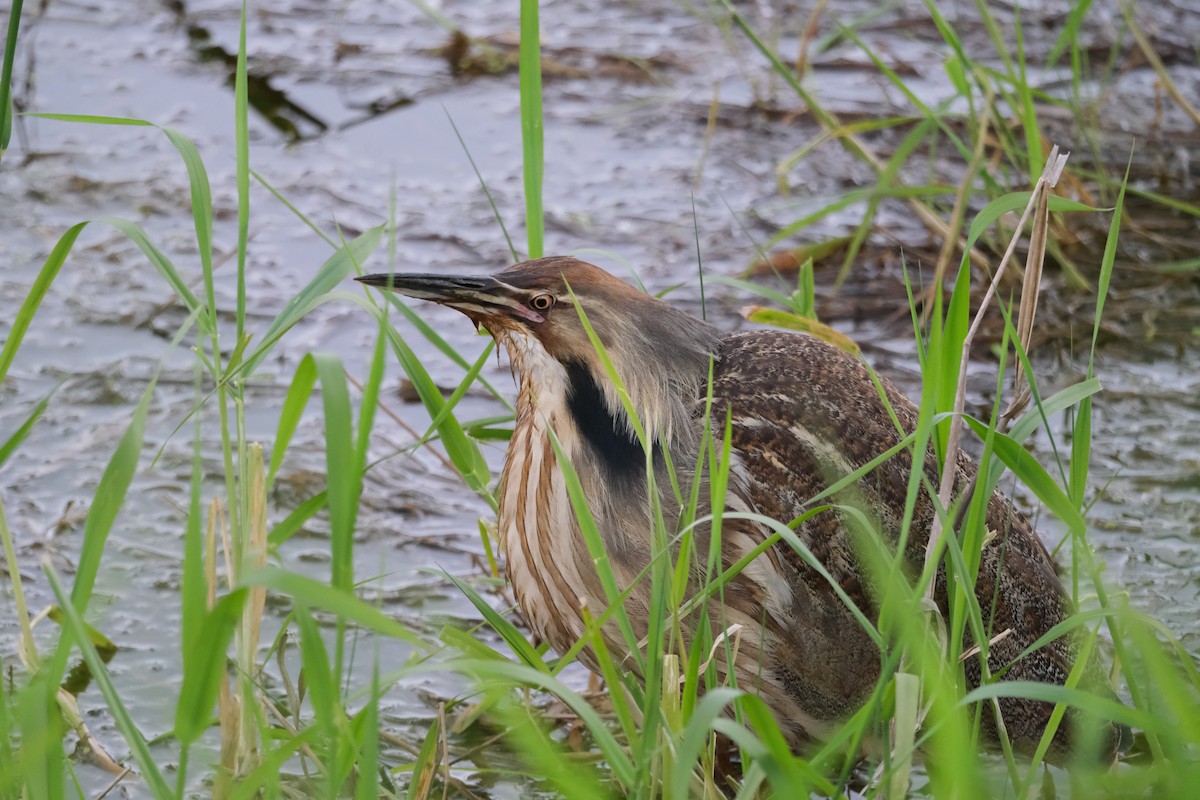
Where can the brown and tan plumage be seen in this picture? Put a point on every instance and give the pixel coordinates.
(803, 415)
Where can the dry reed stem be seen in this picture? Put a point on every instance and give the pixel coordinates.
(1054, 167)
(710, 130)
(808, 34)
(114, 784)
(1030, 291)
(215, 520)
(227, 705)
(69, 706)
(305, 750)
(254, 556)
(976, 649)
(228, 712)
(1156, 63)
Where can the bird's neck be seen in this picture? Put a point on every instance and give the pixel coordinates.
(567, 411)
(570, 412)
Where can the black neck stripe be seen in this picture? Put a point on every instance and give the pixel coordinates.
(616, 449)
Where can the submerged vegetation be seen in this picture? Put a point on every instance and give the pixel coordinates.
(282, 706)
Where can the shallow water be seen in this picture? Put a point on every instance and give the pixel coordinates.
(362, 101)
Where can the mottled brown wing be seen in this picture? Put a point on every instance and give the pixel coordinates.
(805, 414)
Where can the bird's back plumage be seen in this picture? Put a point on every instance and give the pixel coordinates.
(804, 415)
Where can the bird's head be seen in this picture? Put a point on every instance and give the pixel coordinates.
(660, 353)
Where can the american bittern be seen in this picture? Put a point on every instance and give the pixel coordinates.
(803, 414)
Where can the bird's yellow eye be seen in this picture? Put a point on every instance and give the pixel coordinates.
(541, 302)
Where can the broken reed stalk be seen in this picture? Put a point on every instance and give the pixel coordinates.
(1030, 291)
(914, 713)
(237, 707)
(1050, 174)
(254, 556)
(227, 703)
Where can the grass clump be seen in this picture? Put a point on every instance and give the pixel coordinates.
(671, 724)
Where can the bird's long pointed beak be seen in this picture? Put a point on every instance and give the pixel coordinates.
(480, 297)
(439, 288)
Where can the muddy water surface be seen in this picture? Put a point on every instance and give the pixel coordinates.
(355, 100)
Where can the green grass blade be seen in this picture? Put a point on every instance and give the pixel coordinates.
(367, 724)
(946, 354)
(424, 764)
(512, 250)
(93, 119)
(1101, 707)
(341, 466)
(1070, 35)
(336, 269)
(329, 240)
(6, 119)
(193, 590)
(1081, 440)
(463, 453)
(507, 631)
(319, 678)
(1032, 474)
(107, 501)
(467, 644)
(265, 777)
(1035, 418)
(696, 735)
(443, 347)
(1069, 624)
(596, 549)
(202, 213)
(161, 263)
(10, 53)
(294, 403)
(782, 780)
(543, 756)
(23, 430)
(10, 782)
(18, 594)
(294, 521)
(309, 593)
(37, 292)
(40, 722)
(785, 769)
(73, 622)
(507, 673)
(241, 127)
(531, 125)
(922, 131)
(205, 667)
(459, 392)
(370, 402)
(754, 288)
(1015, 202)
